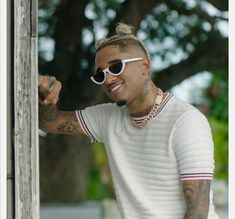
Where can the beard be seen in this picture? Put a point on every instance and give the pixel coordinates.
(121, 103)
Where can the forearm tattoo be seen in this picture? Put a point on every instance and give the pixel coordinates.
(197, 198)
(47, 113)
(70, 125)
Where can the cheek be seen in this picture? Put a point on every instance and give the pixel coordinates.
(104, 88)
(136, 80)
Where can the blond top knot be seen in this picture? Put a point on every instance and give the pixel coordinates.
(124, 38)
(124, 29)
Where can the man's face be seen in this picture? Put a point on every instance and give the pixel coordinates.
(129, 85)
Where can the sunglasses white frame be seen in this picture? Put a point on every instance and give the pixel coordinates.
(106, 70)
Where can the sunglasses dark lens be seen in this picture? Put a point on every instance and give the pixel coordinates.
(116, 68)
(99, 76)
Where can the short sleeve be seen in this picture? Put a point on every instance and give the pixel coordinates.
(193, 145)
(93, 121)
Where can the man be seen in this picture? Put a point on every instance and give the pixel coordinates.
(160, 149)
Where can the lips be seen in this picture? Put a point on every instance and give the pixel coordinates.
(113, 88)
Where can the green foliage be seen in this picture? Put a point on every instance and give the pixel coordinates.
(218, 96)
(218, 116)
(97, 189)
(220, 137)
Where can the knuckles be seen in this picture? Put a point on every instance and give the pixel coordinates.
(53, 96)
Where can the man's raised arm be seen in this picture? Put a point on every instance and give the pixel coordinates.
(52, 120)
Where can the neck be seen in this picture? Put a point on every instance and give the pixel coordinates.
(142, 104)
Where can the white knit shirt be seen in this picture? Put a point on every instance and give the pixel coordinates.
(148, 164)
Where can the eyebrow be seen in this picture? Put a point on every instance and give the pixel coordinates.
(113, 61)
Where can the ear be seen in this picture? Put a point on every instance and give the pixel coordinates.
(145, 66)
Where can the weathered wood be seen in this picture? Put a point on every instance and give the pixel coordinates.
(34, 18)
(3, 109)
(26, 110)
(10, 151)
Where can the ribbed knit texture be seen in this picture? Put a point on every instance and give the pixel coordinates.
(148, 164)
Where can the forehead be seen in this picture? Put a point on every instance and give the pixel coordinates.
(110, 53)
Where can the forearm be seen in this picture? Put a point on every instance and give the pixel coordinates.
(52, 120)
(193, 213)
(197, 199)
(48, 114)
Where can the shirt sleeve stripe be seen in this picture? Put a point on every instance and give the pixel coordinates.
(197, 176)
(84, 127)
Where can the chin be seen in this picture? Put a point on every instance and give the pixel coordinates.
(121, 102)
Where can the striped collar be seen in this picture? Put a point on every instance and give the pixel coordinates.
(166, 98)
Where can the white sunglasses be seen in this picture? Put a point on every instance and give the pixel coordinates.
(116, 69)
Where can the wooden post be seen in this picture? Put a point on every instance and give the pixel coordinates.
(26, 110)
(10, 86)
(3, 107)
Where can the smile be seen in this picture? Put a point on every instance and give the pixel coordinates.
(115, 88)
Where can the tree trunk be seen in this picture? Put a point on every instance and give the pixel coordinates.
(70, 157)
(63, 168)
(216, 59)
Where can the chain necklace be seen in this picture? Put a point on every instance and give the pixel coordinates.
(153, 112)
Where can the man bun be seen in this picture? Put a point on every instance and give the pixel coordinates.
(124, 29)
(124, 38)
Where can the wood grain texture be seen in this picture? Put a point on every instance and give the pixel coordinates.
(26, 110)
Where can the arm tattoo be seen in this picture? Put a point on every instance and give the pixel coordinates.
(197, 199)
(47, 113)
(52, 120)
(69, 126)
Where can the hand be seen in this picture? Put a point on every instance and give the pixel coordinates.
(49, 89)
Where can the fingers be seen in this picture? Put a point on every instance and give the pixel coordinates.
(49, 89)
(51, 84)
(53, 96)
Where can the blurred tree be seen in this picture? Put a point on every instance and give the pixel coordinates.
(217, 95)
(183, 37)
